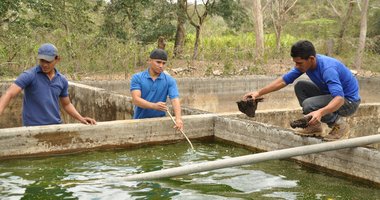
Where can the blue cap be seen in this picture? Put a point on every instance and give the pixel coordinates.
(47, 52)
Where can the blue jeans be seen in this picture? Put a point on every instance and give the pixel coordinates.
(311, 98)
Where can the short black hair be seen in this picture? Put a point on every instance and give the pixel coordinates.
(159, 54)
(303, 49)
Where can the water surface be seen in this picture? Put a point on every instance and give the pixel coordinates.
(98, 175)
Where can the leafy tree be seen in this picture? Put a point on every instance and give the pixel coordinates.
(13, 31)
(143, 20)
(70, 15)
(158, 23)
(9, 10)
(121, 17)
(232, 12)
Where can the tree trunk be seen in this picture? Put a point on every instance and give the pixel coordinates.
(363, 35)
(329, 47)
(344, 25)
(197, 41)
(161, 44)
(180, 34)
(259, 29)
(179, 39)
(278, 38)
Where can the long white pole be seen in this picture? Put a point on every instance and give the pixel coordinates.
(255, 158)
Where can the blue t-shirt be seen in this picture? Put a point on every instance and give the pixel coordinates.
(331, 76)
(41, 96)
(153, 91)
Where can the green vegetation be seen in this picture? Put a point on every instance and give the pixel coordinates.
(96, 37)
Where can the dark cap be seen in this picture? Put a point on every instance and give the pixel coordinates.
(159, 54)
(47, 52)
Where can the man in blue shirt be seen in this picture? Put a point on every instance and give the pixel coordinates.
(44, 87)
(332, 93)
(150, 89)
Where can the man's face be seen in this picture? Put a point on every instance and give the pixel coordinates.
(304, 64)
(48, 67)
(157, 65)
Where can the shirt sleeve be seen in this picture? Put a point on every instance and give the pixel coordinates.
(291, 76)
(331, 78)
(173, 89)
(135, 83)
(65, 90)
(25, 79)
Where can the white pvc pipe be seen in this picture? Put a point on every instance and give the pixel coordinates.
(255, 158)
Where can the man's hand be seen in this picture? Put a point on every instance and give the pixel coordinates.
(315, 117)
(88, 121)
(252, 95)
(179, 124)
(160, 106)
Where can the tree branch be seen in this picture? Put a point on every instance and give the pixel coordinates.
(334, 9)
(265, 6)
(273, 19)
(190, 17)
(287, 10)
(359, 6)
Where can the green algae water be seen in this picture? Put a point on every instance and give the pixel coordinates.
(98, 175)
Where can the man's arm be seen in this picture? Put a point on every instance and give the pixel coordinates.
(177, 112)
(275, 85)
(11, 92)
(70, 109)
(142, 103)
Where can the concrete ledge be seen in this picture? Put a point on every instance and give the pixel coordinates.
(366, 121)
(68, 138)
(359, 162)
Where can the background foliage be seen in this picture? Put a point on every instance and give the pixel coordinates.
(115, 37)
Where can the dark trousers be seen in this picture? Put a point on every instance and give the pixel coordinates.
(311, 98)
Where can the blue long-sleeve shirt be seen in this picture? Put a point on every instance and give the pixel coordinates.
(331, 76)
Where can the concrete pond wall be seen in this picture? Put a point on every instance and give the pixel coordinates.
(213, 94)
(108, 102)
(21, 142)
(219, 95)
